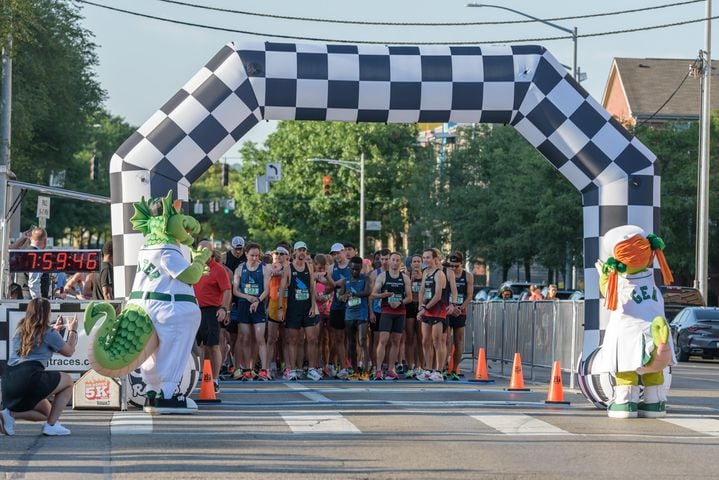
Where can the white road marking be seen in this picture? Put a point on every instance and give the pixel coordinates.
(130, 424)
(707, 426)
(518, 424)
(327, 422)
(310, 395)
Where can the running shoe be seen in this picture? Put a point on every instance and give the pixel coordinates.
(399, 368)
(424, 375)
(392, 375)
(410, 373)
(378, 375)
(264, 375)
(217, 386)
(364, 376)
(54, 430)
(295, 375)
(344, 374)
(314, 374)
(436, 377)
(288, 374)
(330, 371)
(7, 423)
(453, 376)
(237, 374)
(248, 376)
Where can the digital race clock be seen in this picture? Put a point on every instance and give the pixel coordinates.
(55, 260)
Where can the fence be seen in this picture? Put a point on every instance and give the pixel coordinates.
(541, 332)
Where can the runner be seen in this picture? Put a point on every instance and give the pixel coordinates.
(301, 315)
(449, 296)
(280, 260)
(413, 330)
(394, 291)
(356, 298)
(323, 296)
(234, 257)
(252, 286)
(432, 313)
(382, 257)
(339, 273)
(458, 319)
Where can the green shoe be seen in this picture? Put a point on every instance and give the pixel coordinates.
(652, 410)
(622, 410)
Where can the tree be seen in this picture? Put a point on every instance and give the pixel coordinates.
(56, 98)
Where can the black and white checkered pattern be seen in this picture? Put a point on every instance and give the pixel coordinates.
(524, 86)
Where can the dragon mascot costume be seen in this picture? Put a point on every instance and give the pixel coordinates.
(157, 326)
(637, 345)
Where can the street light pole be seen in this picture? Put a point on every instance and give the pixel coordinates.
(572, 32)
(355, 167)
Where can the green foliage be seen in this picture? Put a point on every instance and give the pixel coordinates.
(296, 209)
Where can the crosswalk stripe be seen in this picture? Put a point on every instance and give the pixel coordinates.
(326, 422)
(707, 426)
(310, 394)
(130, 424)
(518, 424)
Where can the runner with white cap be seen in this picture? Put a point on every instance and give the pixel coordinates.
(339, 271)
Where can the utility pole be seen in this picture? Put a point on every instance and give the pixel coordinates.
(702, 258)
(5, 116)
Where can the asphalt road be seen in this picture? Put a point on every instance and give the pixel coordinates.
(406, 429)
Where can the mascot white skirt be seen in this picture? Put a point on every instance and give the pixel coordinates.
(637, 346)
(157, 327)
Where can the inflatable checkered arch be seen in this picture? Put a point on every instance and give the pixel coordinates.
(524, 86)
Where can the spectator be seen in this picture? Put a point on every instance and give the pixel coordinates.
(79, 286)
(214, 294)
(504, 294)
(38, 283)
(102, 286)
(535, 293)
(551, 292)
(15, 292)
(26, 384)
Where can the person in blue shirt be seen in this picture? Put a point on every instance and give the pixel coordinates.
(26, 384)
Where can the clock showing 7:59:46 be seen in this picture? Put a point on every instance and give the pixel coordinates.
(55, 260)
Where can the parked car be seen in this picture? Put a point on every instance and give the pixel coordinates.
(695, 331)
(484, 294)
(677, 298)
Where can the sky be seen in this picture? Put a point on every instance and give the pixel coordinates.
(144, 62)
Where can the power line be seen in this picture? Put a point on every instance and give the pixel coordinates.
(422, 24)
(670, 96)
(375, 42)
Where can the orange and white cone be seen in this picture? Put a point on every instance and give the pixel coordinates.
(556, 392)
(516, 381)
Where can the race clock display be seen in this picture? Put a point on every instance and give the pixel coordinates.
(55, 260)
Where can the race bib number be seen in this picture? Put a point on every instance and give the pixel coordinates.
(428, 294)
(302, 295)
(252, 289)
(354, 302)
(416, 287)
(460, 299)
(396, 298)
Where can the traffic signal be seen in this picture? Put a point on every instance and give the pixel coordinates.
(326, 180)
(225, 174)
(94, 167)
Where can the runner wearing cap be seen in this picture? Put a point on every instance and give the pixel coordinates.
(458, 318)
(252, 286)
(393, 290)
(339, 272)
(234, 257)
(301, 314)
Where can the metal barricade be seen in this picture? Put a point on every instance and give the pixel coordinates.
(541, 331)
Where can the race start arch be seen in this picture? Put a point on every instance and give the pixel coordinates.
(523, 86)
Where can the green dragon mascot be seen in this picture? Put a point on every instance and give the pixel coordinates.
(156, 328)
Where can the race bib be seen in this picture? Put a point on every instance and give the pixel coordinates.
(428, 294)
(396, 298)
(354, 301)
(302, 294)
(460, 299)
(416, 287)
(252, 289)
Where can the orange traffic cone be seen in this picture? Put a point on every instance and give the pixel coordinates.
(556, 394)
(480, 374)
(207, 387)
(516, 381)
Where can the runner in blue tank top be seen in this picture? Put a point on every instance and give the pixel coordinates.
(356, 297)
